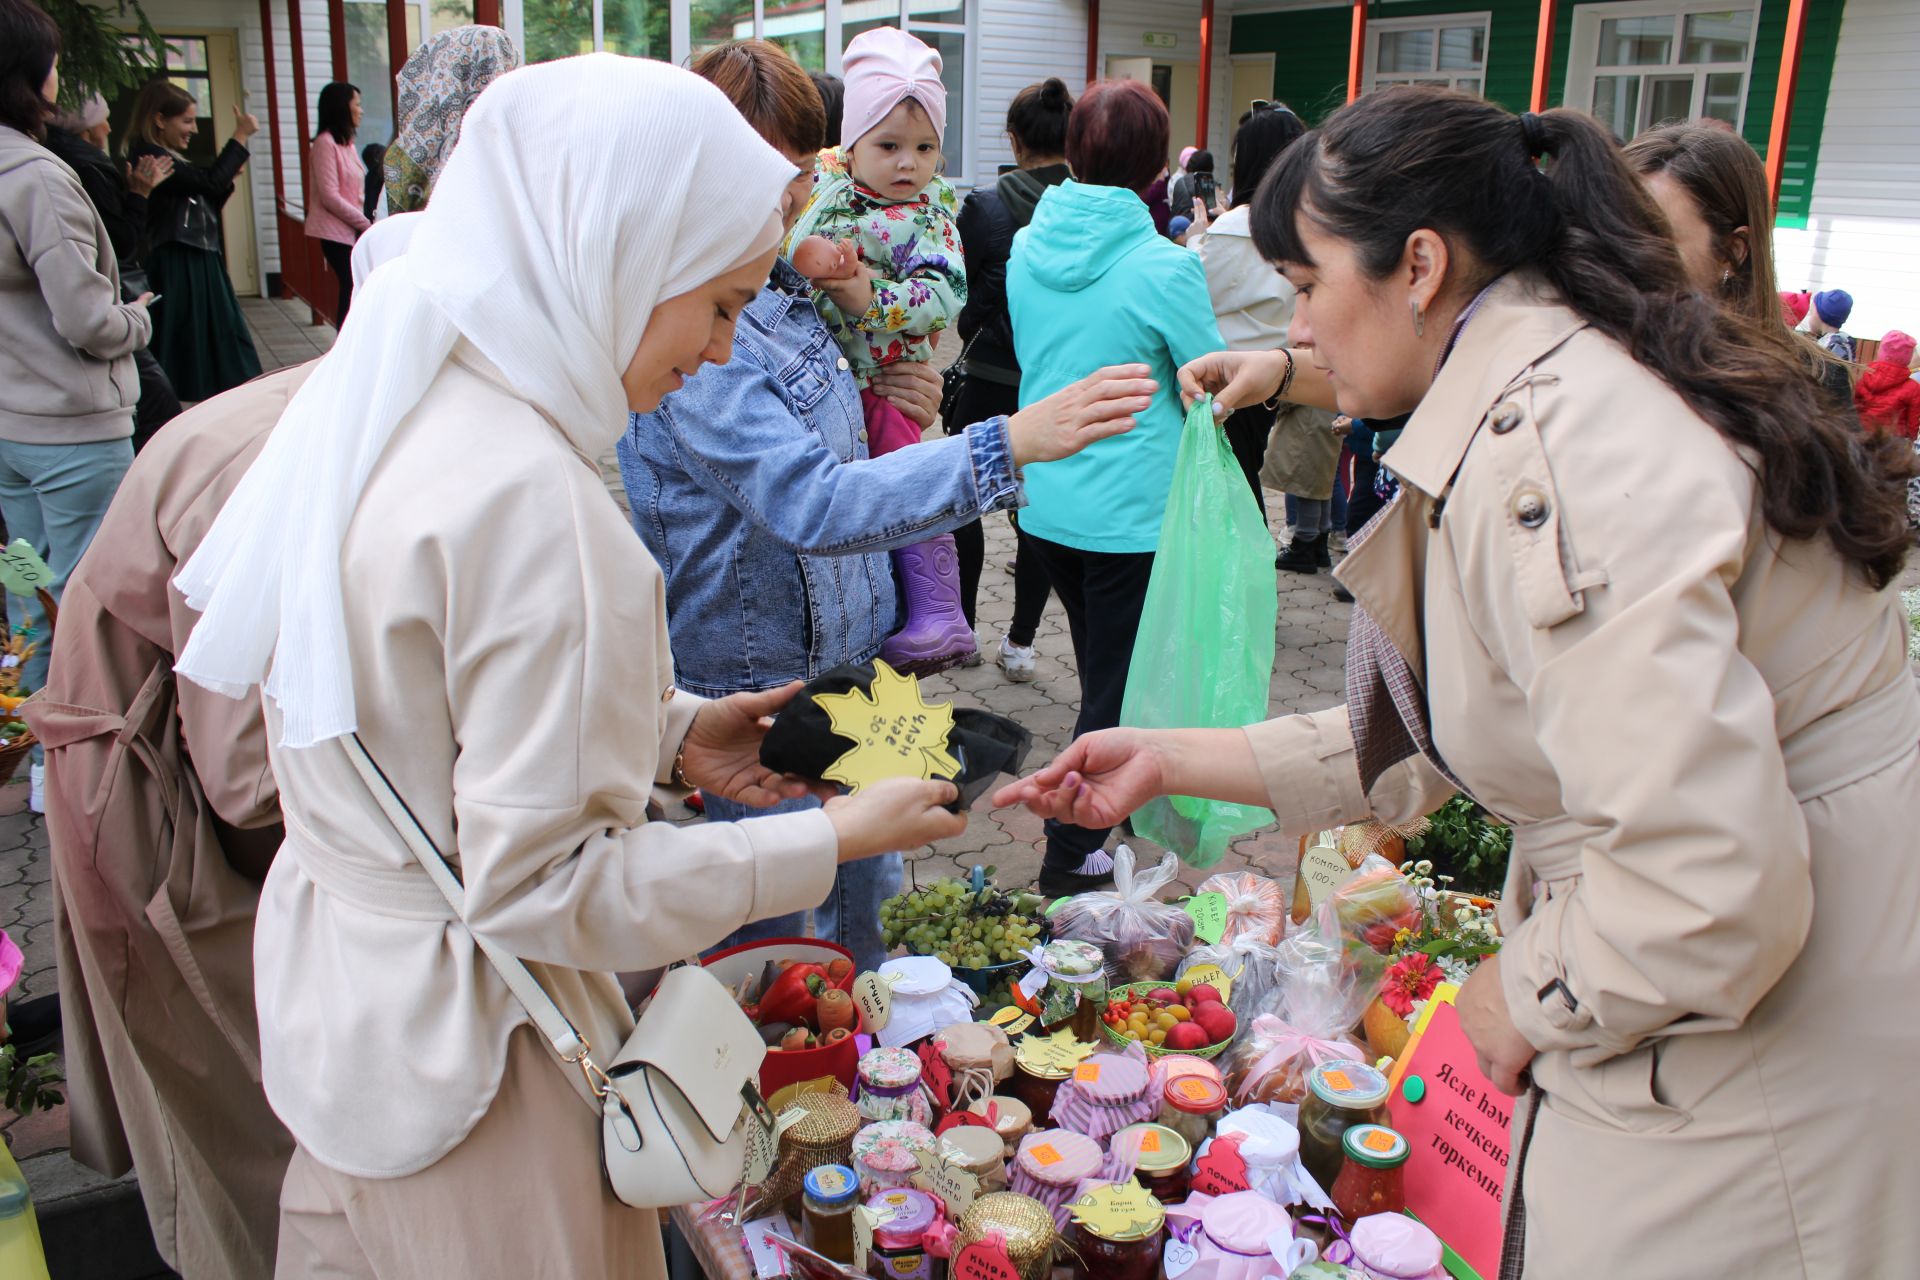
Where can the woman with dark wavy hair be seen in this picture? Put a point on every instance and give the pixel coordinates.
(1632, 597)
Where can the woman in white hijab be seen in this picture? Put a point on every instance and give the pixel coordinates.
(425, 553)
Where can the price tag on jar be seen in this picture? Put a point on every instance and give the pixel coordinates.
(1116, 1210)
(950, 1182)
(1193, 1089)
(1087, 1072)
(873, 992)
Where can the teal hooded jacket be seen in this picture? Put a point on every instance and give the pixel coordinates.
(1091, 283)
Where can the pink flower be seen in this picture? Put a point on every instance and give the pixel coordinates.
(1412, 977)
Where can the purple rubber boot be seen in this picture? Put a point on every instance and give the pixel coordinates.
(936, 635)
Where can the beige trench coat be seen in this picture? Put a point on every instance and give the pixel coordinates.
(1708, 742)
(162, 813)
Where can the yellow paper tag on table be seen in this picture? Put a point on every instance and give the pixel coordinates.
(896, 733)
(1119, 1211)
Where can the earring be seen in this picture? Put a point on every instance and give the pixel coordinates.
(1726, 274)
(1419, 319)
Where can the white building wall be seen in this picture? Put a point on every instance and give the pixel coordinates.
(1123, 28)
(1863, 224)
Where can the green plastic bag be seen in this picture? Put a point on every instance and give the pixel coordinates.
(1204, 654)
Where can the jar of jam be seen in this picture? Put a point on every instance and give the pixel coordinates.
(1036, 1083)
(978, 1150)
(1340, 1094)
(1163, 1161)
(1191, 1106)
(900, 1242)
(1373, 1178)
(1076, 992)
(826, 1211)
(1129, 1253)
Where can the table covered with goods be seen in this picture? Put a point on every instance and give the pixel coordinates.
(1259, 1079)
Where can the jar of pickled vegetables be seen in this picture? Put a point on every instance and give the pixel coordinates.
(1340, 1094)
(1373, 1178)
(1191, 1106)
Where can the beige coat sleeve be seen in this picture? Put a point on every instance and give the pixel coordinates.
(556, 696)
(1694, 892)
(1313, 781)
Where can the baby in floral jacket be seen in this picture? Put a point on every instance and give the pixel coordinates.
(880, 244)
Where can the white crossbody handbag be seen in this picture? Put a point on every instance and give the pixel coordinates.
(677, 1098)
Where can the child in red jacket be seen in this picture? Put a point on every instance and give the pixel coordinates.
(1887, 397)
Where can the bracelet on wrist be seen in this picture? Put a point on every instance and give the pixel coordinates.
(1286, 381)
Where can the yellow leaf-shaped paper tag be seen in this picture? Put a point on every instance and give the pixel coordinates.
(896, 733)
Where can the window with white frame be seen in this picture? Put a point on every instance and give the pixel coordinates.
(1448, 50)
(1638, 65)
(813, 31)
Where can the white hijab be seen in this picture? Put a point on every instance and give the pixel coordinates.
(554, 231)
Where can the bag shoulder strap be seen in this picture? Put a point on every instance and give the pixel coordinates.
(546, 1015)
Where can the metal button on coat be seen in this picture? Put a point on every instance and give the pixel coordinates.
(863, 435)
(1530, 508)
(841, 362)
(1506, 418)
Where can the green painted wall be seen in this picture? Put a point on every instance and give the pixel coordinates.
(1310, 67)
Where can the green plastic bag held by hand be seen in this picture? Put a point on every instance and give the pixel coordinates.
(1203, 658)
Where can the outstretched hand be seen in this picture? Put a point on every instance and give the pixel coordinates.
(721, 753)
(1101, 404)
(1096, 782)
(1235, 379)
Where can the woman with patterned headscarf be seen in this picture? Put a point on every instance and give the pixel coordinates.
(438, 84)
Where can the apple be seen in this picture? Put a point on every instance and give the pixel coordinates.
(1187, 1035)
(1202, 993)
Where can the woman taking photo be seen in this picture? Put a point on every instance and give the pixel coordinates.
(1091, 283)
(199, 335)
(990, 375)
(1632, 597)
(517, 691)
(339, 178)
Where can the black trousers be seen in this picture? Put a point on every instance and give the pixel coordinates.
(340, 261)
(158, 404)
(1247, 432)
(1102, 593)
(1362, 503)
(978, 401)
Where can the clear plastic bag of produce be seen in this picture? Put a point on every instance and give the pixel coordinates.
(1141, 937)
(1256, 906)
(1252, 966)
(1376, 904)
(1325, 984)
(1203, 657)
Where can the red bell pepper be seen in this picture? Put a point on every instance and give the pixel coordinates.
(793, 994)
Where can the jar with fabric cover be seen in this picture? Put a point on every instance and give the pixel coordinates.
(1069, 981)
(1192, 1106)
(979, 1151)
(827, 1212)
(1105, 1094)
(886, 1154)
(890, 1087)
(1050, 1165)
(1129, 1251)
(980, 1056)
(1373, 1179)
(1011, 1118)
(900, 1242)
(1391, 1246)
(1022, 1225)
(1340, 1094)
(1270, 1146)
(1242, 1236)
(1161, 1158)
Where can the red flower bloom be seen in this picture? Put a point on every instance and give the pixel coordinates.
(1412, 977)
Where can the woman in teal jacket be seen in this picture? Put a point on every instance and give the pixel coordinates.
(1091, 283)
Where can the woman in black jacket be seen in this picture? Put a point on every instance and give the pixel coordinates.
(990, 383)
(80, 138)
(199, 335)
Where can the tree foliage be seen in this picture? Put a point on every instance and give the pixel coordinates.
(96, 54)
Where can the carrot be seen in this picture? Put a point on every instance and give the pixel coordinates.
(836, 1011)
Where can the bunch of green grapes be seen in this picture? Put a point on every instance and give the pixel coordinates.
(948, 920)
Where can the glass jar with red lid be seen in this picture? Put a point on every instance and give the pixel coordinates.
(1191, 1106)
(1373, 1178)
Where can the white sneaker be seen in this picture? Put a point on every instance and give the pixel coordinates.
(1016, 660)
(37, 788)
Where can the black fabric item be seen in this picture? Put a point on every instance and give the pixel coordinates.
(1102, 593)
(158, 404)
(340, 261)
(123, 213)
(802, 740)
(1247, 431)
(987, 222)
(166, 212)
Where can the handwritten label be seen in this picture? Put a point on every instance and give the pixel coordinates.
(895, 732)
(1377, 1141)
(874, 994)
(1323, 870)
(1044, 1155)
(1057, 1052)
(1178, 1258)
(763, 1144)
(958, 1187)
(1223, 1170)
(985, 1260)
(1209, 912)
(1118, 1211)
(936, 1074)
(22, 571)
(1012, 1019)
(1211, 975)
(1087, 1072)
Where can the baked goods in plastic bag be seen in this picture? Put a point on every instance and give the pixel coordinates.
(1324, 986)
(1256, 908)
(1376, 904)
(1141, 937)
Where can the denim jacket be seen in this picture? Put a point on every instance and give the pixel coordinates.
(774, 548)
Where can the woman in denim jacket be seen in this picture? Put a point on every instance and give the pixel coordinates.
(774, 549)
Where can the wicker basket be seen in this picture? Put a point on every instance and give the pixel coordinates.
(13, 753)
(1155, 1050)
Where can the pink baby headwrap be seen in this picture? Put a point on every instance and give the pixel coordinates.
(882, 67)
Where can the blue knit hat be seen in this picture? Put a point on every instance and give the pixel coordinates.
(1833, 306)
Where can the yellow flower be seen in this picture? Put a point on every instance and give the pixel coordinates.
(1402, 938)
